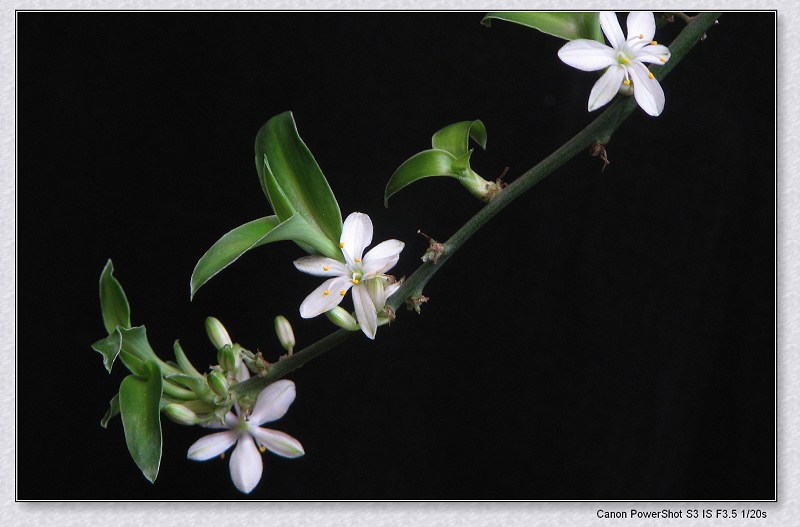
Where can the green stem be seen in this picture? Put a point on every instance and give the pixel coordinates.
(600, 129)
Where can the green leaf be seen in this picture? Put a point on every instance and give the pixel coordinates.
(139, 398)
(113, 303)
(183, 360)
(454, 138)
(253, 234)
(298, 176)
(428, 163)
(569, 26)
(136, 350)
(109, 348)
(113, 410)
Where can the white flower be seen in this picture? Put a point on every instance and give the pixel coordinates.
(246, 433)
(364, 273)
(624, 59)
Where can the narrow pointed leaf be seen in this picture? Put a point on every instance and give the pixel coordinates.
(454, 138)
(277, 197)
(569, 26)
(253, 234)
(113, 303)
(113, 411)
(135, 343)
(428, 163)
(109, 348)
(297, 174)
(139, 398)
(183, 360)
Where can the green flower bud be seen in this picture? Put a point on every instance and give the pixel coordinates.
(180, 414)
(218, 383)
(339, 316)
(217, 333)
(285, 334)
(229, 358)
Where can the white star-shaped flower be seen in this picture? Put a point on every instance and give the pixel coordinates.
(625, 60)
(245, 432)
(364, 273)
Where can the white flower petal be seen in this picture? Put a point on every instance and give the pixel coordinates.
(654, 54)
(641, 25)
(382, 257)
(391, 289)
(606, 87)
(376, 292)
(318, 302)
(610, 26)
(587, 55)
(272, 402)
(647, 91)
(212, 445)
(356, 235)
(246, 465)
(366, 315)
(320, 266)
(278, 442)
(242, 373)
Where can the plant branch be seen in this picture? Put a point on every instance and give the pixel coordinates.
(599, 130)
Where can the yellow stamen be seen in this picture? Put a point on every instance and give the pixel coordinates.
(355, 281)
(341, 245)
(641, 35)
(222, 456)
(625, 60)
(262, 449)
(326, 292)
(650, 75)
(343, 292)
(357, 260)
(662, 59)
(654, 42)
(326, 267)
(626, 82)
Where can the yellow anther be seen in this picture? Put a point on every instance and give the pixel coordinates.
(662, 59)
(650, 75)
(326, 267)
(326, 292)
(222, 456)
(625, 60)
(355, 281)
(343, 292)
(654, 42)
(626, 82)
(641, 35)
(341, 245)
(262, 449)
(357, 260)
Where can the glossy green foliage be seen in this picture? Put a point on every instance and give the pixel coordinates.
(113, 411)
(282, 156)
(113, 303)
(449, 157)
(252, 234)
(109, 347)
(116, 312)
(139, 400)
(569, 26)
(306, 210)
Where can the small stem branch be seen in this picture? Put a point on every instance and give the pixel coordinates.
(600, 129)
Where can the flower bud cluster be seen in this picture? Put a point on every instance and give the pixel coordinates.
(193, 398)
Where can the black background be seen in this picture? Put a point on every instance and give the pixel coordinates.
(610, 335)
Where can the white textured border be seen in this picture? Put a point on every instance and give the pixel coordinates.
(785, 512)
